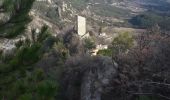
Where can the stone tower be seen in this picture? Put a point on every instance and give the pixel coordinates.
(81, 25)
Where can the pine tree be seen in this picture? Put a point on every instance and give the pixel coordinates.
(19, 80)
(17, 13)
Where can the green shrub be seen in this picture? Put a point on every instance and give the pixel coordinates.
(28, 55)
(47, 90)
(122, 43)
(89, 44)
(144, 98)
(106, 52)
(26, 96)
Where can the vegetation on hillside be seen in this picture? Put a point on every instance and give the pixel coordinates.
(148, 20)
(44, 67)
(110, 11)
(20, 79)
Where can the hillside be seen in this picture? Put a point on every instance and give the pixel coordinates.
(113, 11)
(119, 51)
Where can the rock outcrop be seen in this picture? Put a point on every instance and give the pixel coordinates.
(95, 74)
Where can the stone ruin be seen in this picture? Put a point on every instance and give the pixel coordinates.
(81, 26)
